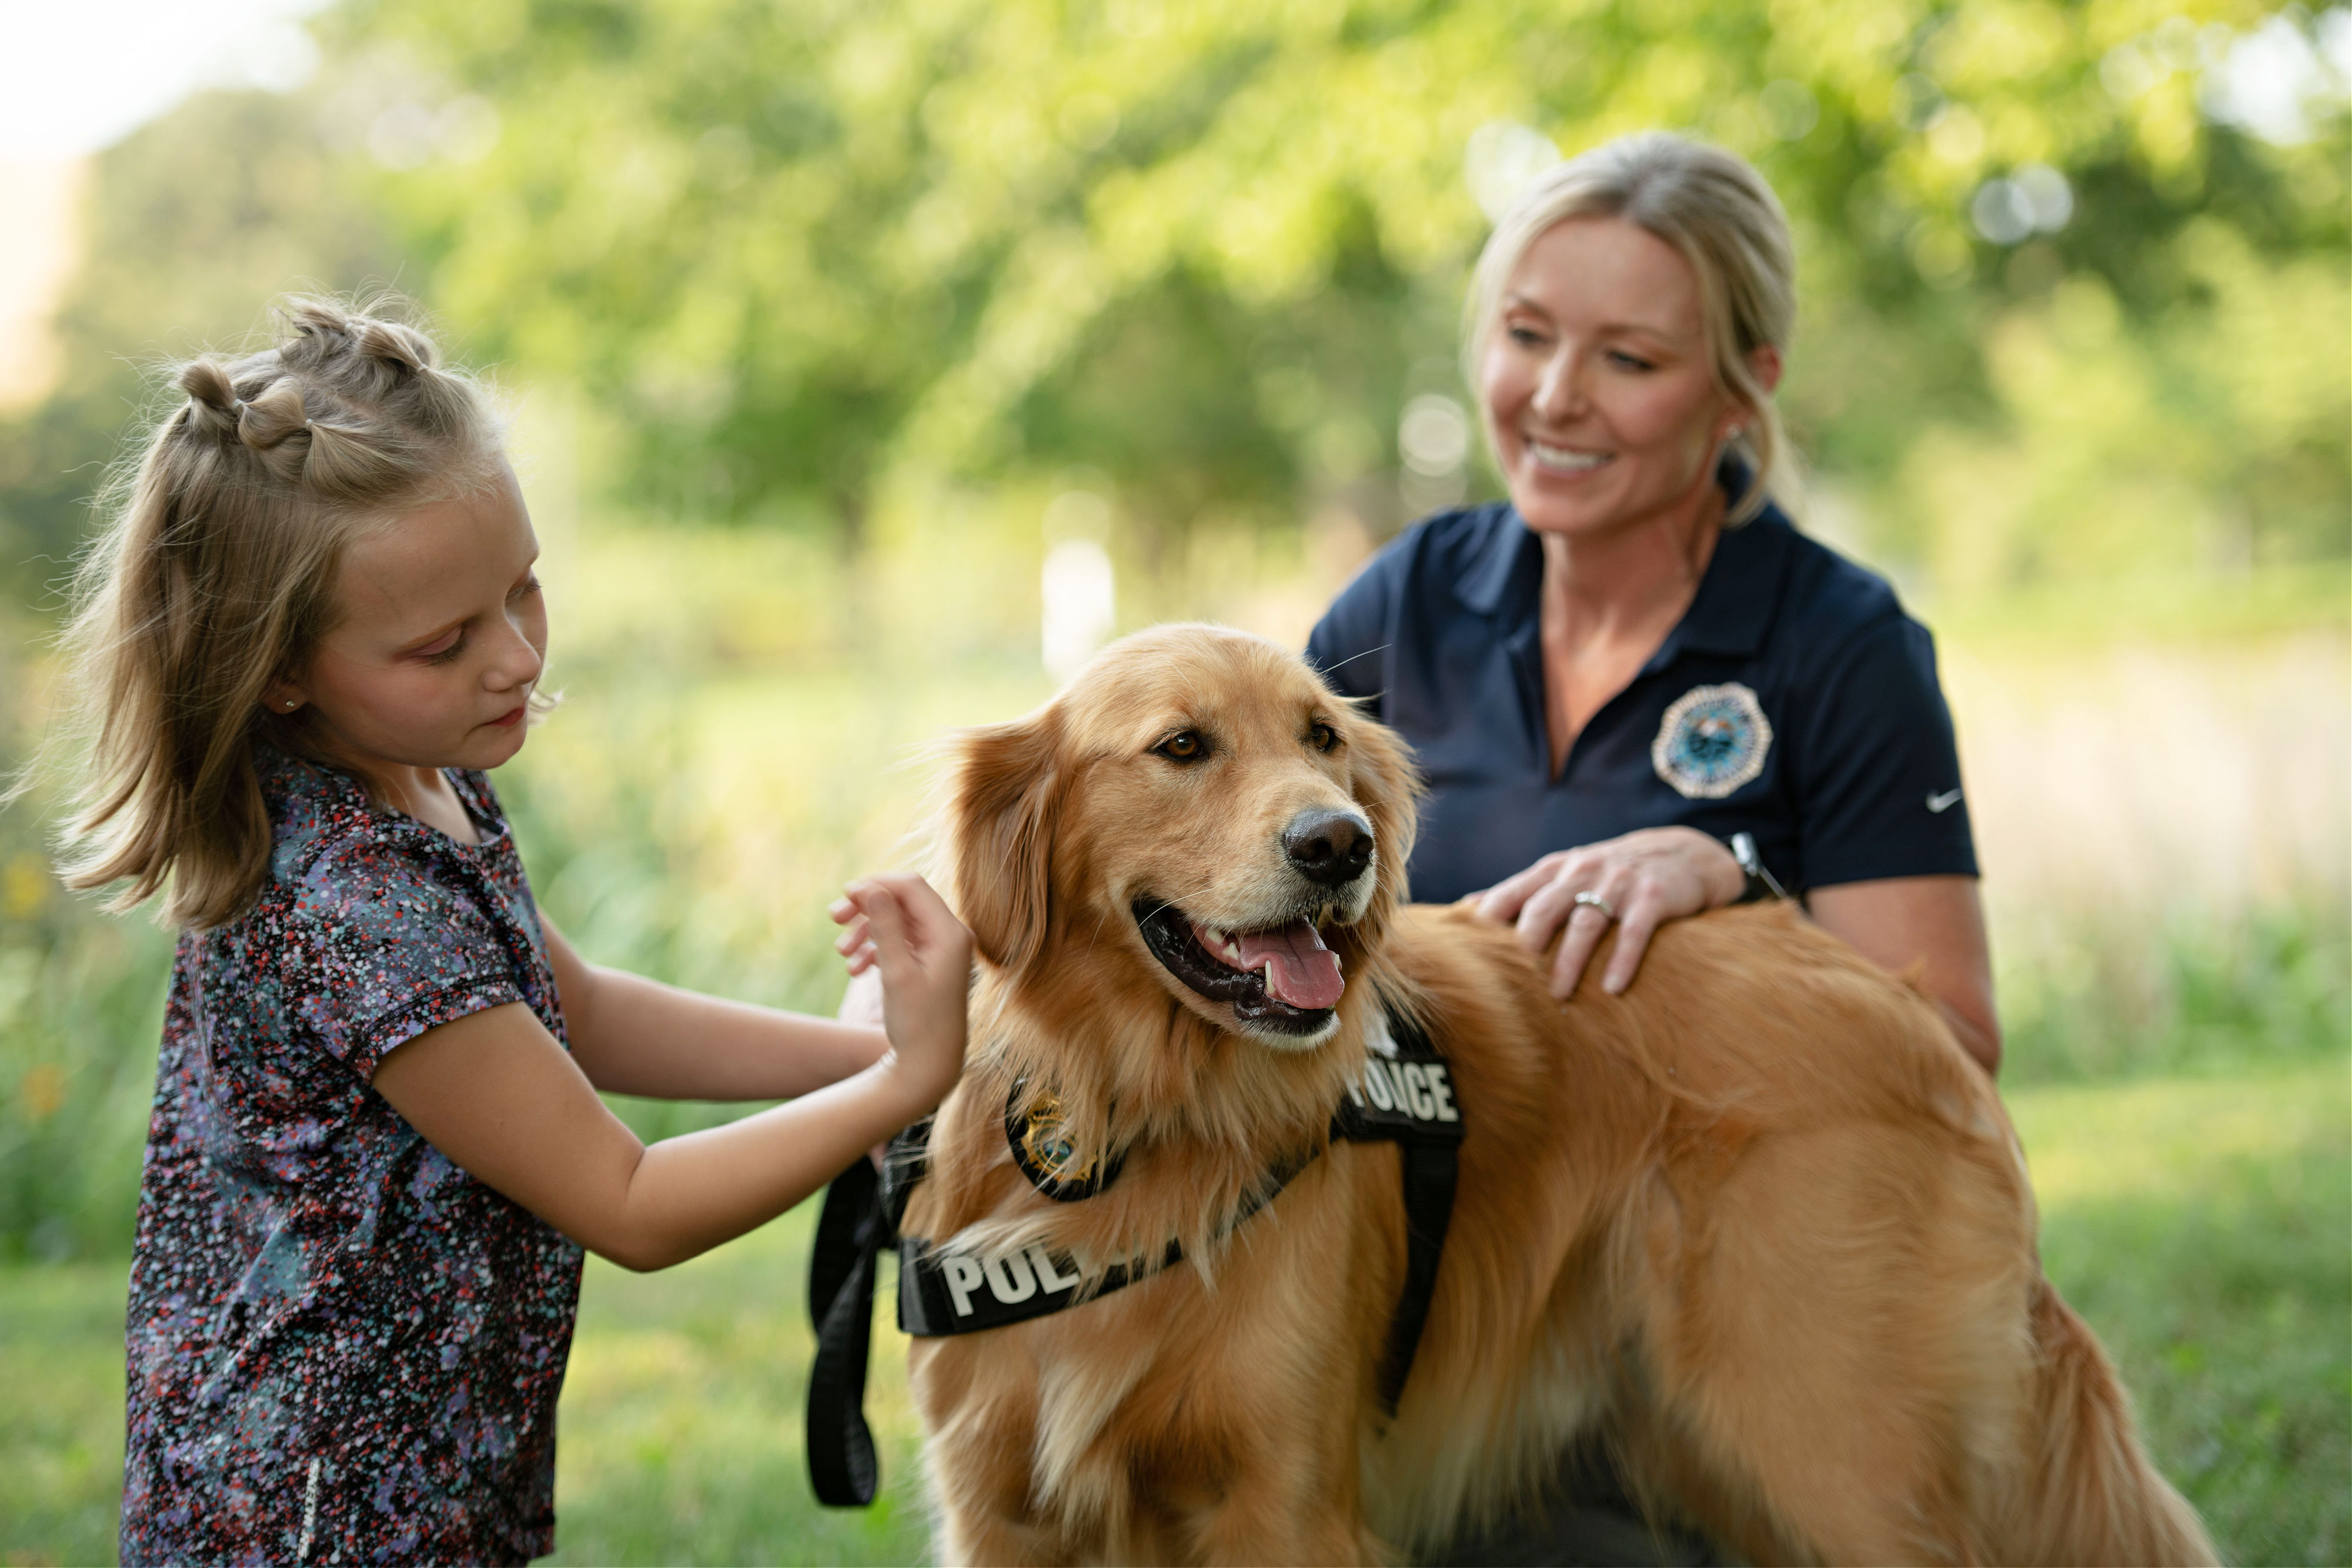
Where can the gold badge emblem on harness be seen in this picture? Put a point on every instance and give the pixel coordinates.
(1046, 1140)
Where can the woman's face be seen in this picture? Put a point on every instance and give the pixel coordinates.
(1599, 393)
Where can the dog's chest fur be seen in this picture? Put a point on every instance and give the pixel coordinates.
(1247, 1368)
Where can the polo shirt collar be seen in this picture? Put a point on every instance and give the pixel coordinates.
(1730, 614)
(1737, 595)
(1503, 578)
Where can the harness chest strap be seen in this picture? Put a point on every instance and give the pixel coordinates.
(1404, 1096)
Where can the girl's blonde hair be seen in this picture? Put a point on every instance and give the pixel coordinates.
(216, 574)
(1718, 213)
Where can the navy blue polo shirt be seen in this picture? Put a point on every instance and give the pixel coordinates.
(1795, 701)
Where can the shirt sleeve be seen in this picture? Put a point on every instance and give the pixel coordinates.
(1877, 769)
(1350, 645)
(393, 944)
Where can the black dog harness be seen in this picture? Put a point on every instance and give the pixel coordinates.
(1404, 1096)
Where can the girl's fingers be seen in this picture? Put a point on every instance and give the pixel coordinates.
(886, 926)
(928, 921)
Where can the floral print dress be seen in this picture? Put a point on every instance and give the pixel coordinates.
(342, 1348)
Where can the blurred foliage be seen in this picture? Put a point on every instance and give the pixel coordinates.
(1201, 254)
(193, 223)
(895, 276)
(1208, 250)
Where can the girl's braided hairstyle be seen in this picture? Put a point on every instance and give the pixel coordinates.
(215, 575)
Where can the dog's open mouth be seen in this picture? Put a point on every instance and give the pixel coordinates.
(1283, 976)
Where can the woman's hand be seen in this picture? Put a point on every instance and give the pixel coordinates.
(1648, 878)
(897, 926)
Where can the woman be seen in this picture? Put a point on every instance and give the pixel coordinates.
(1637, 658)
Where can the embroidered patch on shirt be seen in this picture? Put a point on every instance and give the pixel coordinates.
(1712, 740)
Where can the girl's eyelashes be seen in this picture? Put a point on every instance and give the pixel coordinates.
(1630, 361)
(444, 649)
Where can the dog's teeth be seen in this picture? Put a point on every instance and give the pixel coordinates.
(1269, 974)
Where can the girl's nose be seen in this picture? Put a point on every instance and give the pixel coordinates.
(518, 662)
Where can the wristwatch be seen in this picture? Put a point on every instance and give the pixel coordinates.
(1761, 884)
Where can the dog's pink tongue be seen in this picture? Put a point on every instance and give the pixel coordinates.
(1305, 974)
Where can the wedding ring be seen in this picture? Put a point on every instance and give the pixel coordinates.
(1606, 909)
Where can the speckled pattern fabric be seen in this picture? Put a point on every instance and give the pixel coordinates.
(342, 1348)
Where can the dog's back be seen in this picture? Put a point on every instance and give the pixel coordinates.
(1762, 1227)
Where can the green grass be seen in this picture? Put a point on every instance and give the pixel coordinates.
(2202, 1225)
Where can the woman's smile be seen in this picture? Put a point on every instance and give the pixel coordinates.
(1562, 459)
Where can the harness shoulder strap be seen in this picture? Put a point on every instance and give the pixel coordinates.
(1407, 1097)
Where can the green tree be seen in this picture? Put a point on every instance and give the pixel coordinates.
(1208, 249)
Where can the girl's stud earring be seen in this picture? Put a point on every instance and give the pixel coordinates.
(289, 705)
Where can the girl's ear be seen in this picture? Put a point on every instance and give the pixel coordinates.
(1387, 787)
(1000, 815)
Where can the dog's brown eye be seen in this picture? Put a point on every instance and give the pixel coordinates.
(1189, 746)
(1322, 738)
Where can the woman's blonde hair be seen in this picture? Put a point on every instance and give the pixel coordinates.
(1718, 213)
(215, 575)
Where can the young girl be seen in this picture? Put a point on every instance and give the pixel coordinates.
(376, 1149)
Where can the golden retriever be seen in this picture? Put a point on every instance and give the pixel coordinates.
(1757, 1224)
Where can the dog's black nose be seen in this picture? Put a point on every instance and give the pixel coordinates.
(1330, 847)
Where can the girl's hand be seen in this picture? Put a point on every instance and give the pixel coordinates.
(1649, 877)
(898, 925)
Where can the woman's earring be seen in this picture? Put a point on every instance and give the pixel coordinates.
(289, 705)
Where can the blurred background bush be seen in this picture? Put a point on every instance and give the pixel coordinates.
(872, 363)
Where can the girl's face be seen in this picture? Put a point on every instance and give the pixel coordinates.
(1599, 393)
(443, 635)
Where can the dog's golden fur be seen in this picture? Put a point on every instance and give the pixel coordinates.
(1759, 1224)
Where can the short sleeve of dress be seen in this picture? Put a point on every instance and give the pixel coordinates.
(1876, 767)
(398, 941)
(1349, 644)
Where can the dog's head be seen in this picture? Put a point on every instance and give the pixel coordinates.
(1197, 807)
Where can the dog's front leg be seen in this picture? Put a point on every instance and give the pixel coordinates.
(980, 1432)
(1292, 1495)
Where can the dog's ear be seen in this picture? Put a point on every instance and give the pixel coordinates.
(1387, 787)
(1001, 835)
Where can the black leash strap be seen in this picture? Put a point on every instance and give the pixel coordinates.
(839, 1444)
(1404, 1096)
(859, 1219)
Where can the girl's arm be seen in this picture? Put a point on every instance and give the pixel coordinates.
(634, 1036)
(497, 1095)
